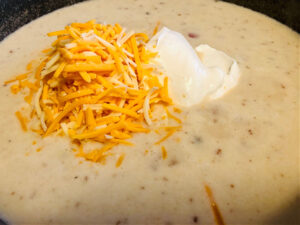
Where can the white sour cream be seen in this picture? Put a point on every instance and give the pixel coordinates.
(193, 78)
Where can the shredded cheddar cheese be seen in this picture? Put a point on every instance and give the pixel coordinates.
(164, 152)
(94, 84)
(170, 132)
(22, 120)
(38, 149)
(120, 160)
(170, 115)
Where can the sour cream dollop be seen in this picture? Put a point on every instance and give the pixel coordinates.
(194, 75)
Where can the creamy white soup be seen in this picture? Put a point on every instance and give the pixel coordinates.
(244, 146)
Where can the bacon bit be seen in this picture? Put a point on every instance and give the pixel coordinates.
(92, 85)
(120, 160)
(22, 120)
(218, 216)
(164, 152)
(38, 149)
(250, 132)
(193, 35)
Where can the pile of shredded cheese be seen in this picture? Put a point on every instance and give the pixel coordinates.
(95, 83)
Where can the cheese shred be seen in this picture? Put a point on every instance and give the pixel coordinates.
(164, 152)
(94, 83)
(21, 120)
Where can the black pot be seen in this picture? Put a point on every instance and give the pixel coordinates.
(16, 13)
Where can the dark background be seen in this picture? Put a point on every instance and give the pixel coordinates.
(16, 13)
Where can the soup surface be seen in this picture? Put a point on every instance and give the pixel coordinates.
(244, 145)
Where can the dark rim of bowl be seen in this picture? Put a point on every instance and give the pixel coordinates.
(16, 13)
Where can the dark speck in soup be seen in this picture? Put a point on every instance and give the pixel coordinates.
(173, 162)
(195, 219)
(219, 151)
(196, 140)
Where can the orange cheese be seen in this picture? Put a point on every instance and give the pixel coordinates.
(164, 152)
(92, 86)
(22, 120)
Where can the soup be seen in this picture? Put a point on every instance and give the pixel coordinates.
(244, 146)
